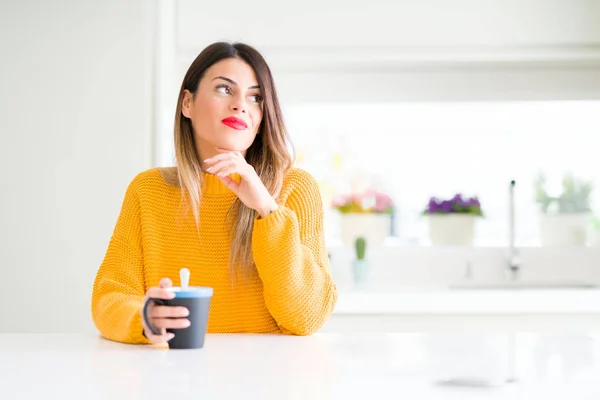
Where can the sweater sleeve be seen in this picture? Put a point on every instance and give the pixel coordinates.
(288, 247)
(119, 287)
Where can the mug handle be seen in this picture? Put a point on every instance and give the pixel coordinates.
(145, 314)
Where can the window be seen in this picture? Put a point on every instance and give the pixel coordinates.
(418, 150)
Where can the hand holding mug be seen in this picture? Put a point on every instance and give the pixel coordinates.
(163, 317)
(177, 315)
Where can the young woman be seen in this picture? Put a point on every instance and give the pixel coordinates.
(233, 211)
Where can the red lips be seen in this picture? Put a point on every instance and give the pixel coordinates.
(235, 123)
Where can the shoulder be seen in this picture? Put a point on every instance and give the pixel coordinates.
(299, 177)
(299, 185)
(153, 180)
(159, 175)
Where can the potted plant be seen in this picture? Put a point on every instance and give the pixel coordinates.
(452, 221)
(564, 217)
(360, 266)
(366, 214)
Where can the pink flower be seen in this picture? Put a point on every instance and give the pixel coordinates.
(367, 201)
(338, 202)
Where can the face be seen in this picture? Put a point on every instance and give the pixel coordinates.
(226, 111)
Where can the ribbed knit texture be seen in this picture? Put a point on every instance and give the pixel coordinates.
(293, 292)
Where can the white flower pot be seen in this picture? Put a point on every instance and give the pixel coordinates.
(373, 227)
(564, 229)
(451, 229)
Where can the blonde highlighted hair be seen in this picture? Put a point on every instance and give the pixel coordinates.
(269, 153)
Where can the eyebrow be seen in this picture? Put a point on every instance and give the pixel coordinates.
(234, 83)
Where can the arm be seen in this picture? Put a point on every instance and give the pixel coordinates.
(119, 287)
(290, 255)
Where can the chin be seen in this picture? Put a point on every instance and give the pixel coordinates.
(229, 147)
(236, 146)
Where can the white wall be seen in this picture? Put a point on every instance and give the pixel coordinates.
(75, 125)
(355, 51)
(405, 26)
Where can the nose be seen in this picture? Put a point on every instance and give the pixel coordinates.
(238, 104)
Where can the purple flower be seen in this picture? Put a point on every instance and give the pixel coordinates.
(472, 204)
(446, 206)
(457, 204)
(432, 206)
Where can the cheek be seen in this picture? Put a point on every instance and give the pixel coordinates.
(256, 119)
(205, 108)
(206, 112)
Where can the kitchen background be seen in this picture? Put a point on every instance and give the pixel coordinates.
(414, 100)
(420, 99)
(410, 99)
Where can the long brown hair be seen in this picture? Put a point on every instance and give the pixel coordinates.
(269, 154)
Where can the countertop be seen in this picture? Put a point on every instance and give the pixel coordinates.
(322, 366)
(461, 301)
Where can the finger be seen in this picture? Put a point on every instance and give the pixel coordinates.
(171, 323)
(223, 166)
(227, 167)
(246, 171)
(163, 337)
(159, 293)
(230, 183)
(222, 158)
(168, 312)
(159, 338)
(227, 171)
(219, 157)
(165, 283)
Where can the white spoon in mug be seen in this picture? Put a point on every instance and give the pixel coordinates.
(184, 277)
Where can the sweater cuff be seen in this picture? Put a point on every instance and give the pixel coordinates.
(273, 220)
(136, 329)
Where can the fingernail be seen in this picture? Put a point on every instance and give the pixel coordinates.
(170, 336)
(187, 323)
(184, 313)
(208, 159)
(208, 169)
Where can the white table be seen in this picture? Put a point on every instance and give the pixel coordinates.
(322, 366)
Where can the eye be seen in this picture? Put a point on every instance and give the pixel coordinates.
(256, 98)
(223, 89)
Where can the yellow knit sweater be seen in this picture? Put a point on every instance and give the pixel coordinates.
(293, 292)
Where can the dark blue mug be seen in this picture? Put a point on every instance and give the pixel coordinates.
(197, 300)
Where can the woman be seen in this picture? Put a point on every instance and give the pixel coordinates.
(233, 211)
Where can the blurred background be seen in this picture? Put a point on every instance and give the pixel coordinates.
(385, 101)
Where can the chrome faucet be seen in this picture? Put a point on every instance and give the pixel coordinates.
(513, 262)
